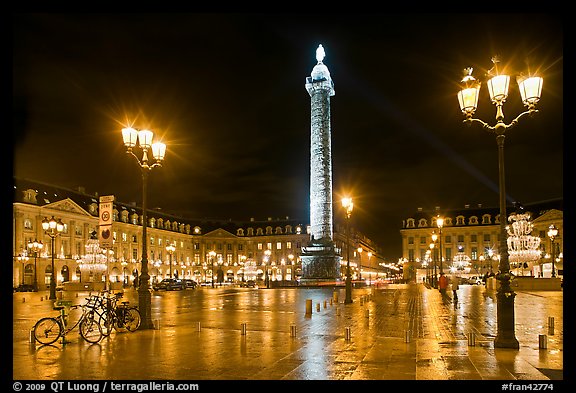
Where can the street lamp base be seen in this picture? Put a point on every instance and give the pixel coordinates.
(505, 337)
(145, 308)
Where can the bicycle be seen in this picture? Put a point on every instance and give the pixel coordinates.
(48, 330)
(110, 314)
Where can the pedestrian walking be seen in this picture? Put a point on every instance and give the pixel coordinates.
(454, 281)
(443, 284)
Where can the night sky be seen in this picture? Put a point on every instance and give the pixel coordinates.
(225, 92)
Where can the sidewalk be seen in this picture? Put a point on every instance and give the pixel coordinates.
(397, 332)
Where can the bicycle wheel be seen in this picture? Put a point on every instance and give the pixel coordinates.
(106, 321)
(132, 319)
(47, 330)
(90, 330)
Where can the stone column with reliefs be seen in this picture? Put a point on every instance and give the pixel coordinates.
(320, 262)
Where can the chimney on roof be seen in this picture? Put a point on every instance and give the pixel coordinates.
(81, 189)
(419, 209)
(251, 219)
(269, 218)
(480, 205)
(467, 206)
(437, 208)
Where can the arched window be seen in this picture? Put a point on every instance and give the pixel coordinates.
(422, 223)
(268, 230)
(410, 223)
(473, 220)
(278, 230)
(240, 232)
(460, 220)
(486, 219)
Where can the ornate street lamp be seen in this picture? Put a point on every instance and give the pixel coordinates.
(267, 254)
(440, 224)
(432, 245)
(212, 254)
(23, 258)
(35, 247)
(144, 138)
(530, 90)
(170, 248)
(52, 228)
(432, 280)
(349, 206)
(552, 233)
(360, 249)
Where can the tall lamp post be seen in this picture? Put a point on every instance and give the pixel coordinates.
(52, 229)
(432, 245)
(530, 90)
(212, 255)
(144, 138)
(23, 258)
(349, 206)
(35, 247)
(267, 254)
(552, 233)
(360, 249)
(440, 224)
(432, 269)
(170, 249)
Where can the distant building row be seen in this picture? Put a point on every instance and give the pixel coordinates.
(202, 247)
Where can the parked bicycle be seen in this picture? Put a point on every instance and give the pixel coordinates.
(49, 329)
(111, 315)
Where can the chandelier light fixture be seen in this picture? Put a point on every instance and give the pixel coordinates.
(522, 246)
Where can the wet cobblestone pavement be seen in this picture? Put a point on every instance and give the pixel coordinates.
(396, 332)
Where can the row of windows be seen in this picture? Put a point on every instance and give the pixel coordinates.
(460, 220)
(448, 239)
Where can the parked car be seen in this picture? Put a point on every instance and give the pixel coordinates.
(474, 280)
(248, 284)
(169, 284)
(190, 283)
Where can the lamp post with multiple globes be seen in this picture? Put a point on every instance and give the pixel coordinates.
(212, 255)
(170, 249)
(52, 228)
(35, 247)
(552, 233)
(143, 138)
(349, 206)
(440, 224)
(530, 88)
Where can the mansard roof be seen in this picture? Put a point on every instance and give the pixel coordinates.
(49, 194)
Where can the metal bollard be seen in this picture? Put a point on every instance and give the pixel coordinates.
(292, 330)
(331, 301)
(308, 306)
(243, 328)
(156, 324)
(31, 338)
(407, 336)
(23, 300)
(335, 296)
(361, 301)
(367, 313)
(325, 303)
(551, 326)
(348, 334)
(542, 341)
(471, 339)
(198, 326)
(41, 298)
(317, 307)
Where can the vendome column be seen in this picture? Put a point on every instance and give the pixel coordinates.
(320, 261)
